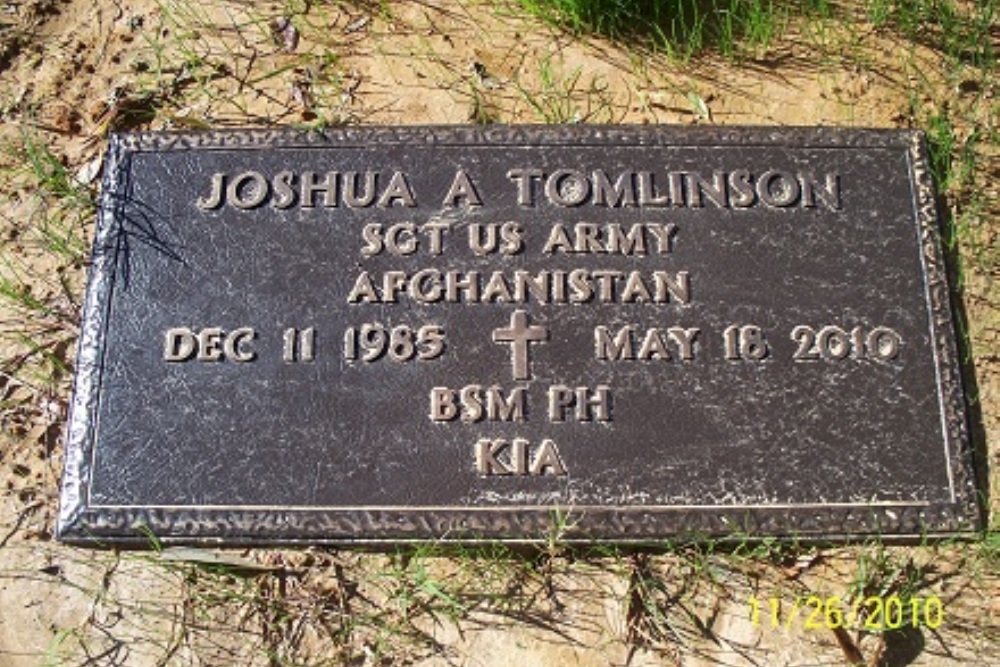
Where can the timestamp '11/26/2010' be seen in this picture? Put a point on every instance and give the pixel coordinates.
(874, 612)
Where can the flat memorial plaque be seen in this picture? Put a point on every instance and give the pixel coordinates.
(508, 333)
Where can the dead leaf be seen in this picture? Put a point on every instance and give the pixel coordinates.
(285, 34)
(355, 26)
(801, 564)
(878, 652)
(484, 78)
(37, 433)
(86, 174)
(699, 107)
(300, 93)
(206, 557)
(21, 394)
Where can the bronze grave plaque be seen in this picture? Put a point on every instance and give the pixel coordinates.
(516, 333)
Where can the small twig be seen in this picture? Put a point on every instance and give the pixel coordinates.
(21, 516)
(851, 651)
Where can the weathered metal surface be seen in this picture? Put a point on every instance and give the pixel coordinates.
(465, 333)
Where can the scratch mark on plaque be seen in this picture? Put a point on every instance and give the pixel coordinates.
(315, 486)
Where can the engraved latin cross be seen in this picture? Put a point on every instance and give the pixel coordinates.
(518, 336)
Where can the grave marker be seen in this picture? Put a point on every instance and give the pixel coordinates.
(480, 333)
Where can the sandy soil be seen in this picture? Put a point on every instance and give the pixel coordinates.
(71, 70)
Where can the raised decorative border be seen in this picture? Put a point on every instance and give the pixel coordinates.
(528, 135)
(82, 524)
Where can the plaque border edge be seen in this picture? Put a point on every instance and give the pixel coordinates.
(79, 523)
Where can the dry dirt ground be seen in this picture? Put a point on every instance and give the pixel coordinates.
(72, 70)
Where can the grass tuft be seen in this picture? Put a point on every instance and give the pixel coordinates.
(961, 31)
(681, 28)
(40, 261)
(559, 96)
(687, 28)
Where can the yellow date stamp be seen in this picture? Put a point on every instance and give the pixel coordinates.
(875, 613)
